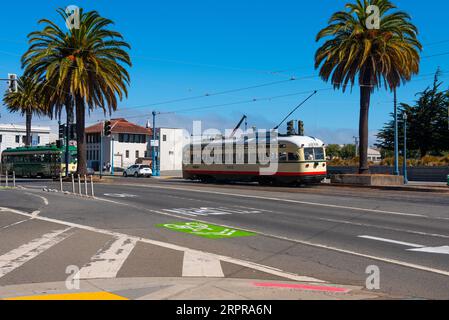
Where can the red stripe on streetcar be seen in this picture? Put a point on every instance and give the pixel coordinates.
(256, 173)
(306, 287)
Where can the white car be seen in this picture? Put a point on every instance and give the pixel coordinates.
(138, 170)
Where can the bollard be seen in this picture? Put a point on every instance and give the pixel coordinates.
(6, 181)
(73, 184)
(79, 185)
(85, 186)
(14, 179)
(60, 182)
(92, 186)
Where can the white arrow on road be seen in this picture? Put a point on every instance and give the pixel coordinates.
(416, 247)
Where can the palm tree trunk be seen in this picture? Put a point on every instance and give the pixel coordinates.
(28, 117)
(365, 99)
(81, 141)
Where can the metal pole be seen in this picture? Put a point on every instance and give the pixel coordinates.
(112, 161)
(101, 153)
(153, 147)
(405, 150)
(14, 179)
(79, 186)
(92, 186)
(396, 135)
(73, 184)
(60, 182)
(85, 186)
(6, 184)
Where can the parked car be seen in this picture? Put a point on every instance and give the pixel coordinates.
(138, 170)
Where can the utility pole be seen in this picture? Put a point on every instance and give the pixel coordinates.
(404, 165)
(356, 141)
(155, 165)
(396, 135)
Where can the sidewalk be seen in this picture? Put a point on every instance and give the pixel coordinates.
(440, 187)
(186, 289)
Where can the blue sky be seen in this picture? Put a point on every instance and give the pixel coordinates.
(192, 48)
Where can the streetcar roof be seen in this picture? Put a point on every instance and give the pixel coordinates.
(51, 148)
(298, 141)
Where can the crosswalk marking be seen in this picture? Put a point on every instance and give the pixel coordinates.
(198, 264)
(108, 261)
(17, 257)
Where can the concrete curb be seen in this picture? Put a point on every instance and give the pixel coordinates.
(186, 289)
(394, 188)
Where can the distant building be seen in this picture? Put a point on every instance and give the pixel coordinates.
(128, 143)
(171, 142)
(13, 136)
(374, 155)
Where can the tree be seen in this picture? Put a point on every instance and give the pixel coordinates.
(25, 101)
(348, 151)
(357, 52)
(333, 151)
(427, 123)
(84, 67)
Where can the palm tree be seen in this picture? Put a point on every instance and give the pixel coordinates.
(355, 52)
(26, 102)
(84, 67)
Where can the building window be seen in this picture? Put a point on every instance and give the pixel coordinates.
(38, 139)
(164, 138)
(127, 154)
(17, 139)
(1, 138)
(137, 154)
(132, 138)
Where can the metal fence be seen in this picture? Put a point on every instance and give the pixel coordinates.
(424, 174)
(8, 179)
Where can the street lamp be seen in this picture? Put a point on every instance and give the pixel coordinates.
(404, 117)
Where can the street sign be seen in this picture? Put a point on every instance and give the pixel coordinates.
(154, 143)
(204, 230)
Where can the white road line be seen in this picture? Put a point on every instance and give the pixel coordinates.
(15, 224)
(109, 260)
(407, 244)
(287, 200)
(45, 200)
(198, 264)
(307, 243)
(243, 263)
(17, 257)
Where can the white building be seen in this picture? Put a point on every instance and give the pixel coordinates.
(13, 136)
(128, 143)
(171, 142)
(374, 155)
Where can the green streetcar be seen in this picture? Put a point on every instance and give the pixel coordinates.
(46, 161)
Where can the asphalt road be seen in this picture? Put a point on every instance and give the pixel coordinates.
(325, 233)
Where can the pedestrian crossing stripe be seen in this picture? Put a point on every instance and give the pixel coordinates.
(208, 231)
(92, 296)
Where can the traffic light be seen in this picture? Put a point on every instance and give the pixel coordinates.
(12, 83)
(61, 131)
(107, 128)
(72, 131)
(60, 143)
(291, 128)
(301, 128)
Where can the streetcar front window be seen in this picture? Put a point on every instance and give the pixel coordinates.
(314, 154)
